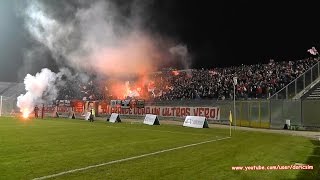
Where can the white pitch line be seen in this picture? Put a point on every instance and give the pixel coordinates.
(127, 159)
(157, 130)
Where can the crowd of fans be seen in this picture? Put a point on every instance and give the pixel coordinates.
(75, 89)
(253, 81)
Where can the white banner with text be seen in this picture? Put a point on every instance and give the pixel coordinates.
(211, 113)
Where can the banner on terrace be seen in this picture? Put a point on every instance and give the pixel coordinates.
(211, 113)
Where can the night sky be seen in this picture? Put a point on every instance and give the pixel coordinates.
(217, 34)
(224, 34)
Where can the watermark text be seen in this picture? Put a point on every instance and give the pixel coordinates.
(277, 167)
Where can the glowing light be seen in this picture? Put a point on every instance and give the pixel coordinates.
(176, 73)
(25, 113)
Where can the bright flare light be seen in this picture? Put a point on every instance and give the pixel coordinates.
(25, 113)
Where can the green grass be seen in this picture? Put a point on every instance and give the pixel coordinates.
(36, 148)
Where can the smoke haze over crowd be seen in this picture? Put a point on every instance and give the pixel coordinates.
(93, 37)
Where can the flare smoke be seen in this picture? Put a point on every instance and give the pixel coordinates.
(107, 38)
(39, 88)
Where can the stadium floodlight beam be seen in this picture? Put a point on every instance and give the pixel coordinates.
(234, 100)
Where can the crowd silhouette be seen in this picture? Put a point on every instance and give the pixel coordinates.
(253, 82)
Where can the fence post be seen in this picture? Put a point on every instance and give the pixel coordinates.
(0, 105)
(318, 69)
(295, 87)
(270, 113)
(301, 113)
(304, 81)
(260, 112)
(311, 76)
(234, 105)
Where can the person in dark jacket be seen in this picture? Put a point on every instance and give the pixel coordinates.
(91, 115)
(36, 111)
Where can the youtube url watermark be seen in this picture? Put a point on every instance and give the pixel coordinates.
(277, 167)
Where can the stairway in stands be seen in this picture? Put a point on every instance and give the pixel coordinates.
(314, 93)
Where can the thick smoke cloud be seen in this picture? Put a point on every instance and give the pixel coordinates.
(43, 87)
(40, 88)
(107, 38)
(98, 36)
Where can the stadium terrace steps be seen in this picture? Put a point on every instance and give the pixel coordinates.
(314, 93)
(4, 86)
(11, 90)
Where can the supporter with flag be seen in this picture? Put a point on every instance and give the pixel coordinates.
(313, 51)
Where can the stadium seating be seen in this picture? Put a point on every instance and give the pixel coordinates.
(11, 90)
(254, 81)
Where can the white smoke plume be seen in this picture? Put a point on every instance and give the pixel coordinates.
(40, 88)
(44, 87)
(94, 36)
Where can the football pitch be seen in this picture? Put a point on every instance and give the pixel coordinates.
(78, 149)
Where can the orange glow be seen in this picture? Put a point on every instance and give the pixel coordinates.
(176, 73)
(135, 55)
(137, 88)
(117, 89)
(127, 90)
(25, 113)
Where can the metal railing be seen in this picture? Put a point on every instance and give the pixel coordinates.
(296, 88)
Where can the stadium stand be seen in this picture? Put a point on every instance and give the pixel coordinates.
(14, 90)
(169, 87)
(11, 90)
(4, 86)
(254, 81)
(258, 81)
